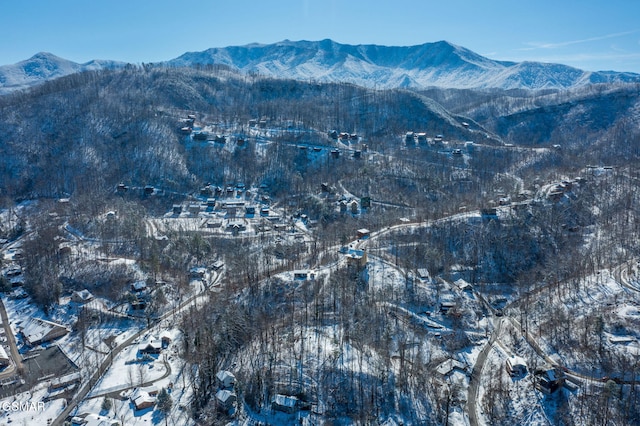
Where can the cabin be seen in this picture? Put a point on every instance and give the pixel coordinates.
(285, 403)
(423, 274)
(38, 331)
(213, 223)
(449, 367)
(139, 305)
(225, 379)
(335, 153)
(516, 366)
(226, 399)
(82, 296)
(165, 339)
(198, 272)
(446, 306)
(194, 209)
(150, 347)
(489, 213)
(236, 227)
(356, 258)
(139, 286)
(142, 400)
(409, 137)
(363, 233)
(177, 209)
(304, 274)
(549, 380)
(200, 136)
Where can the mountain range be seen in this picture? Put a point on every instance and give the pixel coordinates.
(45, 66)
(439, 64)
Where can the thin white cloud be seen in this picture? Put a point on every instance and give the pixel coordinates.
(539, 45)
(572, 57)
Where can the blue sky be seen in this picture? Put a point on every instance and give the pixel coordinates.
(588, 34)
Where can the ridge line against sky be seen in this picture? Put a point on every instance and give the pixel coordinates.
(589, 34)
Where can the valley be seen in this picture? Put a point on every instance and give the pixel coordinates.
(202, 246)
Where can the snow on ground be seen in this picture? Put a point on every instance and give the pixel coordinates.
(129, 370)
(598, 296)
(28, 408)
(519, 401)
(123, 377)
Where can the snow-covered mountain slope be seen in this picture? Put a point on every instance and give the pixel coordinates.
(44, 66)
(439, 64)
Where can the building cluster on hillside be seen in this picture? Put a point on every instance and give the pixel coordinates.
(226, 398)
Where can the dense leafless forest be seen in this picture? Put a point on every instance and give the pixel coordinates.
(524, 195)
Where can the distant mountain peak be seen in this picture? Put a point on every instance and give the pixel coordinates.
(439, 64)
(44, 66)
